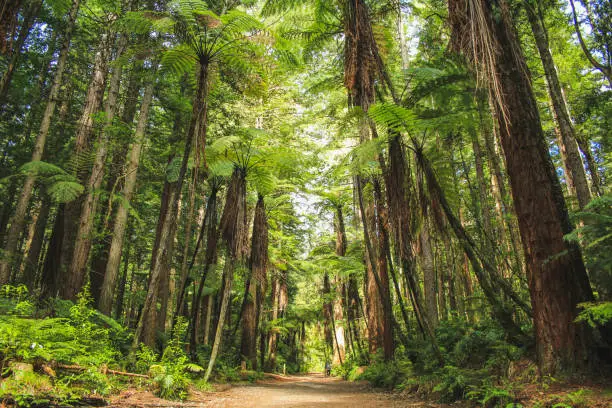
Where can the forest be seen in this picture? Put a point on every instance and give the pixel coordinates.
(411, 193)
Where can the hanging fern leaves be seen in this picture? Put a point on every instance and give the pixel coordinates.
(363, 158)
(220, 168)
(392, 116)
(431, 80)
(221, 145)
(273, 7)
(41, 168)
(65, 191)
(178, 60)
(263, 181)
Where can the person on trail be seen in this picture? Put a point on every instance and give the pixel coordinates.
(327, 368)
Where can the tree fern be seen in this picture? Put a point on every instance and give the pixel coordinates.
(41, 169)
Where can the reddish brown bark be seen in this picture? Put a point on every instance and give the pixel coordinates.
(257, 284)
(555, 271)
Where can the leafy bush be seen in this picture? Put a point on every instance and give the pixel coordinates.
(452, 385)
(491, 396)
(77, 335)
(75, 339)
(476, 357)
(386, 374)
(29, 388)
(226, 373)
(595, 313)
(171, 375)
(595, 236)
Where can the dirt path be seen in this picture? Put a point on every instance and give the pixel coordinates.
(291, 391)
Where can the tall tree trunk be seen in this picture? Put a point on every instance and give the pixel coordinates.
(17, 222)
(429, 278)
(231, 228)
(484, 275)
(399, 188)
(209, 227)
(51, 269)
(115, 181)
(444, 276)
(575, 176)
(505, 212)
(184, 272)
(337, 324)
(257, 285)
(208, 301)
(30, 264)
(374, 302)
(30, 16)
(555, 271)
(79, 213)
(146, 326)
(338, 303)
(385, 298)
(121, 289)
(483, 197)
(585, 148)
(114, 257)
(164, 294)
(353, 307)
(273, 335)
(86, 222)
(327, 314)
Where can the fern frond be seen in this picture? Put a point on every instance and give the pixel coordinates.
(392, 116)
(178, 60)
(41, 168)
(65, 191)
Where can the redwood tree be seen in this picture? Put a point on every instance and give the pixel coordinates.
(555, 271)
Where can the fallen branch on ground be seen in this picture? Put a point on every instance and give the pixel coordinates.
(103, 370)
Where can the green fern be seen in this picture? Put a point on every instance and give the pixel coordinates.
(65, 191)
(41, 169)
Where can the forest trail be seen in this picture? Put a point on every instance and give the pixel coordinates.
(312, 390)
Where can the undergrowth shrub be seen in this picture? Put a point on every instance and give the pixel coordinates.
(30, 388)
(172, 374)
(476, 358)
(490, 396)
(387, 374)
(75, 335)
(76, 338)
(226, 373)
